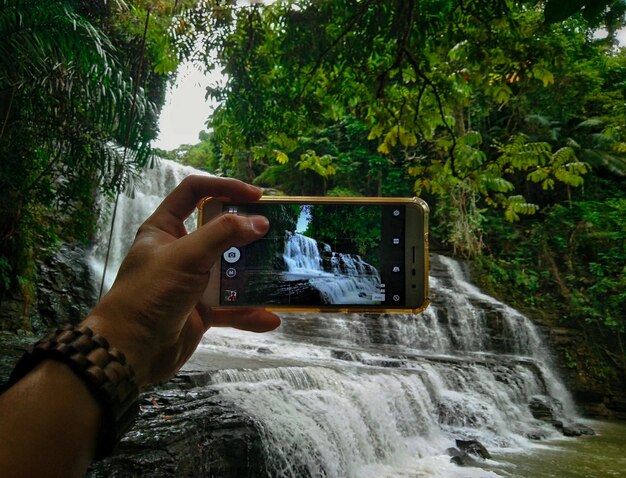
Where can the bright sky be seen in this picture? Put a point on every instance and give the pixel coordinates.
(186, 111)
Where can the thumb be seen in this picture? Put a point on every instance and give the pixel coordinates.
(196, 252)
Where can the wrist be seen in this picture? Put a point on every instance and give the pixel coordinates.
(126, 341)
(102, 369)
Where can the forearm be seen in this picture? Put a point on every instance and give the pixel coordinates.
(49, 424)
(57, 417)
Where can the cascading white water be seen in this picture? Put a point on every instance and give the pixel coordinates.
(348, 280)
(132, 211)
(348, 395)
(302, 255)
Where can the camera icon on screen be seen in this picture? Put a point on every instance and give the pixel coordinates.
(232, 255)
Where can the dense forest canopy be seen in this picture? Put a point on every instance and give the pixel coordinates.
(507, 116)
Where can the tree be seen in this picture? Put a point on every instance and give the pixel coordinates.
(445, 88)
(72, 121)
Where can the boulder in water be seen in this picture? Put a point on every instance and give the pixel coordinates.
(574, 429)
(545, 408)
(473, 447)
(460, 458)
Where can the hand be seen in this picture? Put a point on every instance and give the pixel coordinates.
(152, 312)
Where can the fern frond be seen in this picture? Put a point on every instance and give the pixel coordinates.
(517, 205)
(590, 123)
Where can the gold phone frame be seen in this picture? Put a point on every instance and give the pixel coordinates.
(419, 221)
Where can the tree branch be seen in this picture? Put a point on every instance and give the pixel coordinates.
(6, 117)
(565, 292)
(401, 46)
(344, 32)
(427, 81)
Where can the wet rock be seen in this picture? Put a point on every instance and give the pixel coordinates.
(344, 355)
(550, 410)
(473, 447)
(617, 404)
(386, 363)
(186, 432)
(545, 408)
(453, 451)
(65, 291)
(15, 313)
(457, 412)
(271, 288)
(536, 435)
(12, 346)
(574, 429)
(461, 458)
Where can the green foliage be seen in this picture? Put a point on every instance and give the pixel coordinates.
(347, 229)
(593, 251)
(559, 10)
(200, 156)
(447, 109)
(572, 260)
(322, 165)
(504, 119)
(461, 219)
(68, 106)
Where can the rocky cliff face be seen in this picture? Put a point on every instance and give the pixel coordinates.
(64, 294)
(597, 385)
(65, 290)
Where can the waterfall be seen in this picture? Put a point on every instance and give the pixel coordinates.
(347, 279)
(376, 395)
(302, 255)
(132, 210)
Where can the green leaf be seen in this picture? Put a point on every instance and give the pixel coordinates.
(281, 157)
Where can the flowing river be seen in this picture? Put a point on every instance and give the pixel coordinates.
(388, 395)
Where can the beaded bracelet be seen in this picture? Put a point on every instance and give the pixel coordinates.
(102, 368)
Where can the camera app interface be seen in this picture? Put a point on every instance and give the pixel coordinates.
(319, 254)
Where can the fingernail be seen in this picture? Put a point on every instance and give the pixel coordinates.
(260, 224)
(255, 189)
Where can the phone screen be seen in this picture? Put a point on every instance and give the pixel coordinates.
(319, 255)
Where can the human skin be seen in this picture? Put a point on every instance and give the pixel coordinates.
(153, 313)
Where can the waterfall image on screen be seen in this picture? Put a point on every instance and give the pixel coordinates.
(313, 254)
(340, 278)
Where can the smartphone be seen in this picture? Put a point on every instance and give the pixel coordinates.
(325, 254)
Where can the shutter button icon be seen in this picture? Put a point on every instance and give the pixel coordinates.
(232, 255)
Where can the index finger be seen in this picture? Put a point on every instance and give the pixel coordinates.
(245, 318)
(181, 202)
